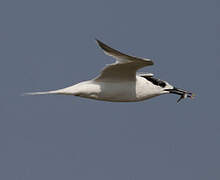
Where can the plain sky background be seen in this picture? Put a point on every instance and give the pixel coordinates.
(49, 44)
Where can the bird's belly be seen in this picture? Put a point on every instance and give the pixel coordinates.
(118, 92)
(119, 95)
(107, 91)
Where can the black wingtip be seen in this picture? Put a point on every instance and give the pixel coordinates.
(100, 43)
(104, 46)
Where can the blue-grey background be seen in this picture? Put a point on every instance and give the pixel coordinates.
(49, 44)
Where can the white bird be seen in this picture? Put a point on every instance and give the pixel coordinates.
(120, 82)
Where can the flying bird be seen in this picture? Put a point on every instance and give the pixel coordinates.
(120, 82)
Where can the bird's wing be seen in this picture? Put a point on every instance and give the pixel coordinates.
(125, 66)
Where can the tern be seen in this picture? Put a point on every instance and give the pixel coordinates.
(120, 82)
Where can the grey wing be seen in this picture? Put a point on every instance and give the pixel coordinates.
(125, 66)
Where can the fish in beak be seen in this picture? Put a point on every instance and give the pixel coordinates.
(183, 94)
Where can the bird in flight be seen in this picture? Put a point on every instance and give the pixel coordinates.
(120, 82)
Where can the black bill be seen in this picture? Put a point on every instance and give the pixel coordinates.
(183, 94)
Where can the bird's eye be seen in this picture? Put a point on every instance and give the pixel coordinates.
(162, 84)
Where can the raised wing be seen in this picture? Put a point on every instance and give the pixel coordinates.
(125, 66)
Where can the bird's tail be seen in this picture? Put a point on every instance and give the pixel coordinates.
(41, 93)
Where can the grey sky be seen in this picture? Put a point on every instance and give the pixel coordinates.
(50, 44)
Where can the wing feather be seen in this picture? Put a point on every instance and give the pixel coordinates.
(125, 66)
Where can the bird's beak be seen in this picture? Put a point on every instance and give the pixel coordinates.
(183, 94)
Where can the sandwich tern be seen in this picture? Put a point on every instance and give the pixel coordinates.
(120, 82)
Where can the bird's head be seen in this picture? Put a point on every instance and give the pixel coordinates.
(165, 88)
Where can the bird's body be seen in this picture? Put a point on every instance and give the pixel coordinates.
(119, 82)
(126, 91)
